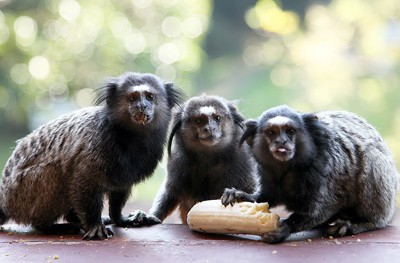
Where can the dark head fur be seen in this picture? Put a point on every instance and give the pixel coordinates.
(206, 121)
(135, 100)
(282, 134)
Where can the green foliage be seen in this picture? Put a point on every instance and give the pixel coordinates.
(57, 51)
(344, 54)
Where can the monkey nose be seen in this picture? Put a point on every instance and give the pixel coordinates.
(209, 130)
(141, 107)
(281, 142)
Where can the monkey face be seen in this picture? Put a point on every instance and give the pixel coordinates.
(206, 127)
(280, 136)
(206, 124)
(275, 136)
(141, 100)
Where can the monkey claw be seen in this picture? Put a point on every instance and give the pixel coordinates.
(176, 243)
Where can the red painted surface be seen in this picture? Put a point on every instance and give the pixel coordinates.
(177, 243)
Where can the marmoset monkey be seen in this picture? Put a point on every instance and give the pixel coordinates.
(328, 168)
(205, 157)
(65, 167)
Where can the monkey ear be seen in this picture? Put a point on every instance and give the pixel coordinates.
(310, 117)
(249, 132)
(237, 118)
(177, 124)
(315, 127)
(174, 95)
(107, 92)
(310, 120)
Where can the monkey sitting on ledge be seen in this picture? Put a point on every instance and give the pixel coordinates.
(65, 167)
(205, 158)
(328, 168)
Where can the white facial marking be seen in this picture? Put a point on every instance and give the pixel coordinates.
(141, 88)
(279, 120)
(207, 110)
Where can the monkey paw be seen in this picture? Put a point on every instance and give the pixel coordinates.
(98, 232)
(231, 196)
(140, 218)
(278, 235)
(339, 228)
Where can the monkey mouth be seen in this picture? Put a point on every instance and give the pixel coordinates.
(282, 150)
(208, 140)
(206, 136)
(282, 153)
(141, 118)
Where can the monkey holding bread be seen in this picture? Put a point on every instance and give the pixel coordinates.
(329, 168)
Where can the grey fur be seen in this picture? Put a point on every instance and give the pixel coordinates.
(65, 167)
(341, 172)
(205, 157)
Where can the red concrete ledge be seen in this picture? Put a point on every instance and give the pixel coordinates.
(177, 243)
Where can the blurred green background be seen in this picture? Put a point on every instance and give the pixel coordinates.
(311, 55)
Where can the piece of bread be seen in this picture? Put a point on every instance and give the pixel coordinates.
(241, 218)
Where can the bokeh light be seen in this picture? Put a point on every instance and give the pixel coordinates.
(39, 67)
(69, 10)
(169, 53)
(171, 26)
(25, 30)
(20, 73)
(192, 27)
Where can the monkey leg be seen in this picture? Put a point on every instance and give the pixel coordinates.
(165, 204)
(3, 217)
(183, 210)
(88, 205)
(117, 201)
(72, 217)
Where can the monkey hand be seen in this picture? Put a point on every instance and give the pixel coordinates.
(231, 196)
(98, 232)
(277, 235)
(140, 218)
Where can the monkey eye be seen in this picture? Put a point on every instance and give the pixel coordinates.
(133, 98)
(201, 119)
(270, 132)
(217, 118)
(291, 131)
(150, 96)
